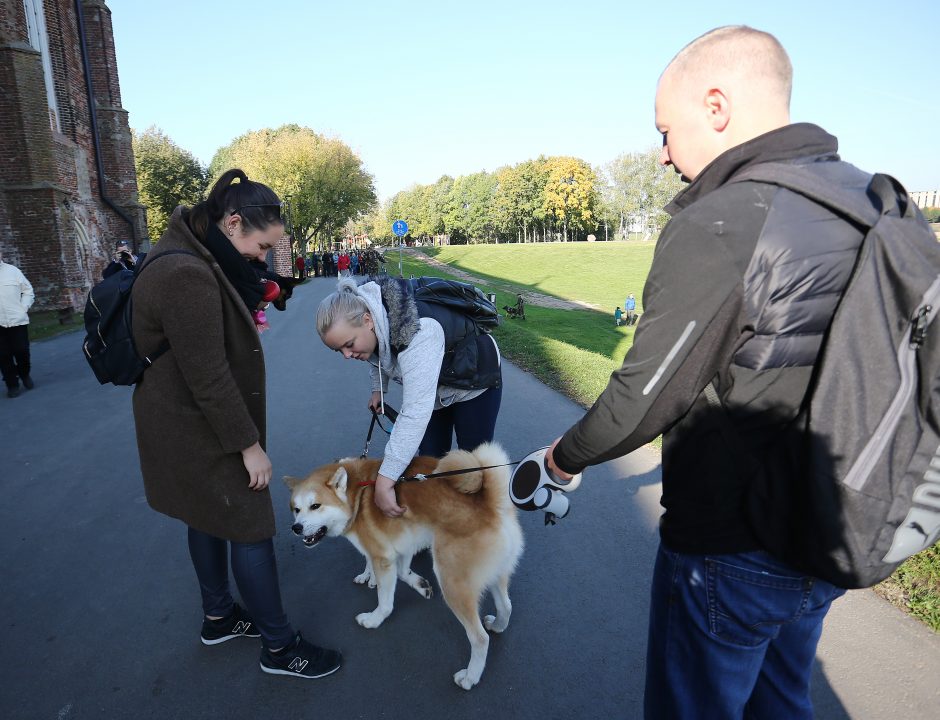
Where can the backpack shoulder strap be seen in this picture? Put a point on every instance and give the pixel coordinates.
(885, 194)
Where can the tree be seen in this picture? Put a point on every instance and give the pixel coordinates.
(322, 178)
(932, 214)
(378, 224)
(641, 188)
(468, 209)
(518, 197)
(569, 198)
(167, 176)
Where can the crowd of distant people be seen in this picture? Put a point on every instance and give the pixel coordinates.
(338, 263)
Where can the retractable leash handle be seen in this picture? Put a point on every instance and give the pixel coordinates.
(533, 486)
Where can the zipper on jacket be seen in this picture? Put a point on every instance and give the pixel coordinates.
(91, 297)
(907, 363)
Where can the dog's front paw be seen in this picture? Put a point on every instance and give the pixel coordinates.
(465, 680)
(371, 619)
(365, 578)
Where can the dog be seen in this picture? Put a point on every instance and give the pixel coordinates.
(467, 520)
(286, 284)
(518, 311)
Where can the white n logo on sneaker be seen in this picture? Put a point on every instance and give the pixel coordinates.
(297, 664)
(241, 627)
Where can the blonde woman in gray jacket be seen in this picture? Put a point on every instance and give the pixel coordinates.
(449, 372)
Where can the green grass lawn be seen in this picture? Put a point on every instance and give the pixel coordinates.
(46, 323)
(574, 351)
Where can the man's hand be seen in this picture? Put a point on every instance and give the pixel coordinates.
(375, 402)
(385, 497)
(258, 466)
(550, 461)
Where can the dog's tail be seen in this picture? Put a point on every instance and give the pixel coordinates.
(495, 480)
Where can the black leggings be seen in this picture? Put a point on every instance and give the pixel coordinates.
(473, 421)
(255, 570)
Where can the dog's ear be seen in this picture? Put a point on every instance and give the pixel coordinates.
(338, 482)
(291, 482)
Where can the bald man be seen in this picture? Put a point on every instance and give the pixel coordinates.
(744, 282)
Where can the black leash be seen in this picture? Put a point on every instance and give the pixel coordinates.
(390, 413)
(419, 477)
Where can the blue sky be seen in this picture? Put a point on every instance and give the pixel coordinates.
(422, 89)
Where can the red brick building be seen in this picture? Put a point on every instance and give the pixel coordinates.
(68, 189)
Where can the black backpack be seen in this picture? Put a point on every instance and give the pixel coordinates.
(109, 339)
(865, 491)
(459, 296)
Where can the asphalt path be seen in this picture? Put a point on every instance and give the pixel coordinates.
(101, 611)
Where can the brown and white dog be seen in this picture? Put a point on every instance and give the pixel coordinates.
(467, 520)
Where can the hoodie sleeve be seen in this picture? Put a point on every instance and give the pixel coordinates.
(691, 303)
(420, 365)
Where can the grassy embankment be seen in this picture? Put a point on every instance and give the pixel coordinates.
(574, 351)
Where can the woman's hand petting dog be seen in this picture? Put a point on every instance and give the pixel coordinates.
(385, 497)
(258, 466)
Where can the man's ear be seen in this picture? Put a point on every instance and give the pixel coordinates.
(718, 108)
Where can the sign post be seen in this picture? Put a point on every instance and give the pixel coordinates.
(400, 229)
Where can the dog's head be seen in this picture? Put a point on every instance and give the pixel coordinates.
(319, 503)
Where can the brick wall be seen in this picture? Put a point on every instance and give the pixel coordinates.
(54, 223)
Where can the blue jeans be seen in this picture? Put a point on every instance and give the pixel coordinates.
(732, 636)
(255, 570)
(473, 421)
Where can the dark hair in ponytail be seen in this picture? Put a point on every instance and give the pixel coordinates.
(256, 203)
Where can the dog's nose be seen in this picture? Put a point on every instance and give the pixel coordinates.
(297, 528)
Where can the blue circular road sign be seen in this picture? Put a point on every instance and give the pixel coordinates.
(400, 228)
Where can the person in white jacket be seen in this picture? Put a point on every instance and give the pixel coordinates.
(379, 323)
(16, 298)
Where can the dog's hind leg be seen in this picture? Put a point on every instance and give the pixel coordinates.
(383, 570)
(412, 579)
(367, 576)
(464, 602)
(500, 593)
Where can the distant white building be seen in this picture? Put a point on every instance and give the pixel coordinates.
(926, 198)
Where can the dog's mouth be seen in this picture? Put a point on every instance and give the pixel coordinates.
(311, 540)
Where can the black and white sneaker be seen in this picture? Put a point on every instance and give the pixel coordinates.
(301, 659)
(237, 624)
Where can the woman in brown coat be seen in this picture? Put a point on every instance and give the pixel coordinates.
(200, 412)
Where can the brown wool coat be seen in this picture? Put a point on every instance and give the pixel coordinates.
(203, 401)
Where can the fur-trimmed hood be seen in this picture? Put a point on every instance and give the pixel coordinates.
(395, 315)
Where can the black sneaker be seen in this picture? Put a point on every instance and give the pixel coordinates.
(301, 659)
(13, 392)
(28, 383)
(237, 624)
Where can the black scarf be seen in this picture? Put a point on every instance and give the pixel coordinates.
(237, 269)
